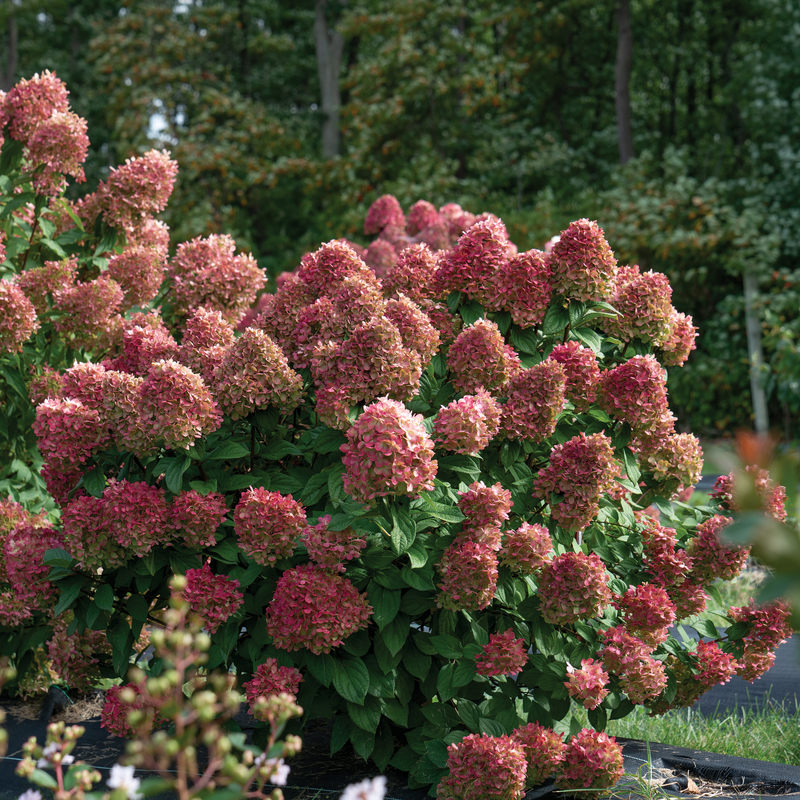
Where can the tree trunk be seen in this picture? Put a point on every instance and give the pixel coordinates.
(622, 80)
(755, 353)
(9, 69)
(330, 45)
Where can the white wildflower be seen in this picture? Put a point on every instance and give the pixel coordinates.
(122, 778)
(367, 789)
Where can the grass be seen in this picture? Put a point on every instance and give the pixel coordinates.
(771, 733)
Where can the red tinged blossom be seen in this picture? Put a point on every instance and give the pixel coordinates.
(314, 609)
(582, 263)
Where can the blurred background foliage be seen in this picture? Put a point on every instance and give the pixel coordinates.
(497, 105)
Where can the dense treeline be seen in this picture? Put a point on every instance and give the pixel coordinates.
(287, 120)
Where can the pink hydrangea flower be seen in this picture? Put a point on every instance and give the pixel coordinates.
(629, 657)
(151, 233)
(372, 363)
(206, 272)
(448, 324)
(680, 342)
(44, 385)
(206, 339)
(86, 310)
(117, 708)
(271, 680)
(380, 256)
(689, 599)
(479, 358)
(139, 271)
(17, 318)
(770, 624)
(526, 549)
(592, 760)
(198, 517)
(68, 432)
(634, 391)
(469, 576)
(328, 266)
(504, 655)
(544, 751)
(643, 301)
(388, 452)
(416, 329)
(23, 556)
(39, 282)
(483, 767)
(279, 318)
(412, 273)
(714, 666)
(535, 399)
(471, 265)
(573, 586)
(457, 219)
(484, 506)
(56, 148)
(74, 657)
(581, 469)
(176, 406)
(314, 609)
(587, 684)
(469, 424)
(646, 608)
(582, 372)
(582, 263)
(678, 463)
(268, 524)
(667, 565)
(32, 101)
(420, 216)
(386, 210)
(138, 189)
(711, 559)
(214, 598)
(254, 374)
(772, 496)
(522, 287)
(332, 548)
(136, 515)
(61, 482)
(753, 664)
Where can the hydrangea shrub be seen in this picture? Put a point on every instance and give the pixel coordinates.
(435, 499)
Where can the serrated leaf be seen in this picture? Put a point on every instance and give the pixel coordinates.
(402, 534)
(588, 337)
(555, 320)
(58, 558)
(385, 603)
(228, 451)
(174, 473)
(576, 311)
(104, 597)
(351, 679)
(631, 467)
(525, 340)
(322, 667)
(447, 646)
(94, 482)
(138, 607)
(328, 441)
(436, 750)
(441, 511)
(70, 590)
(491, 727)
(367, 715)
(470, 714)
(14, 380)
(278, 450)
(471, 312)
